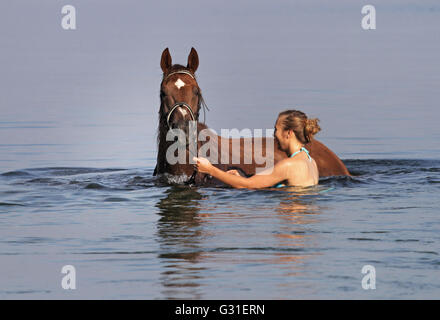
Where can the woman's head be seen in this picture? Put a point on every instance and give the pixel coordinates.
(297, 122)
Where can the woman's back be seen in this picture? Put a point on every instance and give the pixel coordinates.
(302, 170)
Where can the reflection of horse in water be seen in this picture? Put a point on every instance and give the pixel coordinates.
(181, 101)
(179, 234)
(178, 213)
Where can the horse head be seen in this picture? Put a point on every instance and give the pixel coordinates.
(181, 100)
(180, 94)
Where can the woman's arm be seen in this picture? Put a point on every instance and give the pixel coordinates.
(263, 180)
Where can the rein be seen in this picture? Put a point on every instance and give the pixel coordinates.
(191, 180)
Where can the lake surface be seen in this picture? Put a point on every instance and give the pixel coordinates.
(78, 119)
(130, 237)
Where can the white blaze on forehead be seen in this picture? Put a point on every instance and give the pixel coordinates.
(179, 83)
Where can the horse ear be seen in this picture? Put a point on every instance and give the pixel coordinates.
(165, 60)
(193, 60)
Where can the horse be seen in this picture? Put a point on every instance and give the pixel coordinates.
(181, 101)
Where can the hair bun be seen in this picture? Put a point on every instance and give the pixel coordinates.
(311, 127)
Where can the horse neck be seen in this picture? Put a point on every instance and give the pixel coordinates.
(162, 165)
(163, 129)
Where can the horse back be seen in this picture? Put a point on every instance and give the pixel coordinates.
(327, 161)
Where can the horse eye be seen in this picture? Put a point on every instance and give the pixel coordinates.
(162, 93)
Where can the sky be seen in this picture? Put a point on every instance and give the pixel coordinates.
(90, 96)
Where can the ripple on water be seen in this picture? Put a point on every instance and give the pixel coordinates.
(72, 171)
(18, 173)
(116, 199)
(10, 204)
(95, 186)
(47, 181)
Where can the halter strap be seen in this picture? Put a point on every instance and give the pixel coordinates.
(175, 106)
(181, 71)
(302, 149)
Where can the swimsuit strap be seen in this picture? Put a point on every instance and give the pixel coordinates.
(302, 149)
(307, 152)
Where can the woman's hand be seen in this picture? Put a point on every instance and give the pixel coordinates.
(234, 172)
(203, 165)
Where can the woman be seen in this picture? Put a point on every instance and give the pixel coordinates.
(292, 131)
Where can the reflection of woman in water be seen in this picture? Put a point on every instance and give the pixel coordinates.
(292, 131)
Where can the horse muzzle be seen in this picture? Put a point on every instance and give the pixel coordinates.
(185, 109)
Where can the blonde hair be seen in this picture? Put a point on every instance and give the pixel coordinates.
(297, 121)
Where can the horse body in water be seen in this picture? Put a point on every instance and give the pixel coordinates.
(181, 101)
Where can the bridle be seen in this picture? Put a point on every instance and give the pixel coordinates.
(191, 180)
(180, 104)
(177, 105)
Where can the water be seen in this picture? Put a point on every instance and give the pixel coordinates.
(131, 237)
(78, 118)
